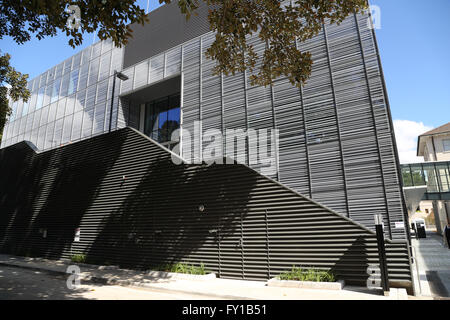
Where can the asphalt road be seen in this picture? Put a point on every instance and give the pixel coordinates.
(26, 284)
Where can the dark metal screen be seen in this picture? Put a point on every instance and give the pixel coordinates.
(135, 208)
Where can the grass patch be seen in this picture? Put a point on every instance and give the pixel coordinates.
(308, 274)
(183, 268)
(78, 258)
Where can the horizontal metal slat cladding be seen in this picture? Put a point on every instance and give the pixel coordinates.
(137, 209)
(336, 142)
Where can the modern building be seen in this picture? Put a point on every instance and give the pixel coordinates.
(335, 147)
(434, 147)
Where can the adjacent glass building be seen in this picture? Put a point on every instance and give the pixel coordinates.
(434, 175)
(336, 142)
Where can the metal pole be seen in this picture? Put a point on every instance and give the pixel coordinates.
(382, 255)
(112, 101)
(415, 230)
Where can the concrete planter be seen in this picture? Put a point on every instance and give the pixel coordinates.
(274, 282)
(143, 274)
(155, 274)
(180, 276)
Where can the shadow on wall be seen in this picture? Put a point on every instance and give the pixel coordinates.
(52, 197)
(352, 265)
(173, 215)
(236, 222)
(15, 163)
(165, 213)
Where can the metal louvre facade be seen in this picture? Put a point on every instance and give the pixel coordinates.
(336, 141)
(336, 146)
(135, 208)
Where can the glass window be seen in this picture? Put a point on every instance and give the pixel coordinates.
(64, 85)
(44, 115)
(162, 118)
(446, 144)
(73, 82)
(406, 177)
(444, 177)
(55, 91)
(157, 68)
(25, 108)
(76, 60)
(13, 111)
(40, 98)
(173, 63)
(417, 176)
(105, 62)
(49, 136)
(93, 71)
(430, 177)
(47, 95)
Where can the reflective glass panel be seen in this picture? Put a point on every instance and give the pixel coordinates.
(162, 118)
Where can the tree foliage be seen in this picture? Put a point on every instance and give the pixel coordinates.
(22, 20)
(277, 25)
(12, 84)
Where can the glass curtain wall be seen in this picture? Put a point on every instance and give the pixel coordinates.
(69, 102)
(162, 118)
(436, 176)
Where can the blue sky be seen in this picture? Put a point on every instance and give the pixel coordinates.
(414, 44)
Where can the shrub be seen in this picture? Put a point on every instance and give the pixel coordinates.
(183, 268)
(308, 274)
(78, 258)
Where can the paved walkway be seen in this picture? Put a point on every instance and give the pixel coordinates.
(27, 284)
(433, 262)
(208, 286)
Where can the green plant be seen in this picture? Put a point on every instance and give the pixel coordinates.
(78, 258)
(308, 274)
(183, 268)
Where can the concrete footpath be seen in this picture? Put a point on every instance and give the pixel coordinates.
(433, 264)
(208, 285)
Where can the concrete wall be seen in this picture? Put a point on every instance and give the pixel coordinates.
(441, 155)
(442, 214)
